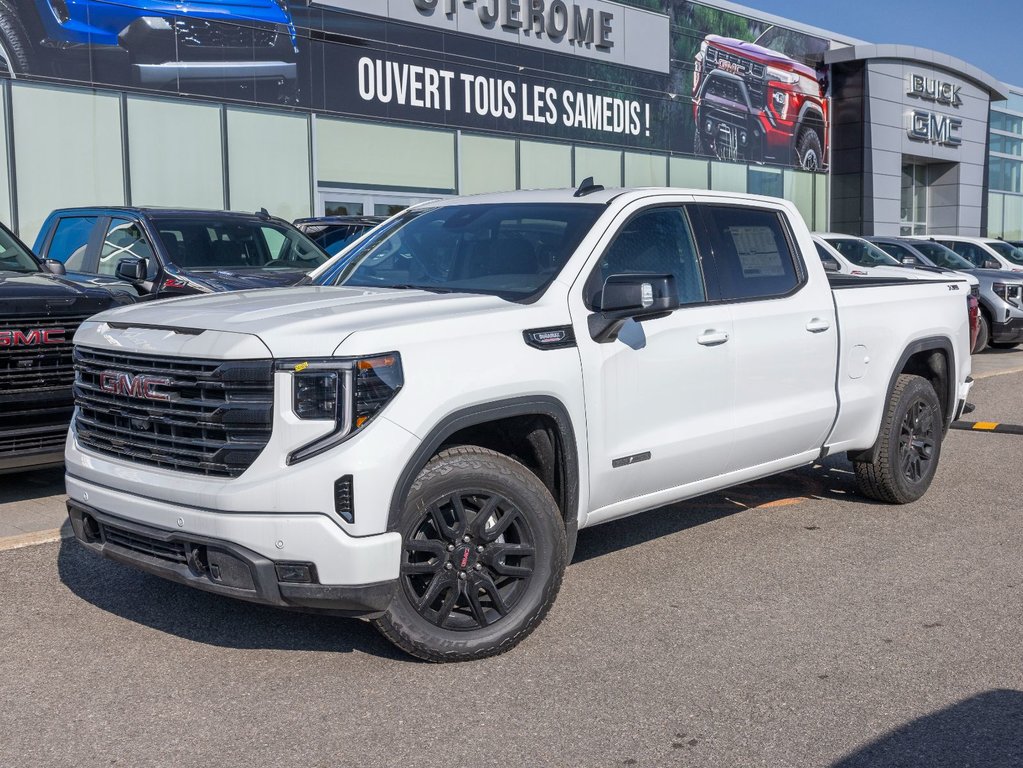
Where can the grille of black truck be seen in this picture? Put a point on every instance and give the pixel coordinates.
(206, 417)
(35, 352)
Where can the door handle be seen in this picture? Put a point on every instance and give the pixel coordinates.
(711, 338)
(817, 325)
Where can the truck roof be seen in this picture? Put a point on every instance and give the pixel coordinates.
(154, 211)
(600, 197)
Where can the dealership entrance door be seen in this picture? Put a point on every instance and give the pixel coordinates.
(341, 202)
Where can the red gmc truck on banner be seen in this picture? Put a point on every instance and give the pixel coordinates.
(759, 101)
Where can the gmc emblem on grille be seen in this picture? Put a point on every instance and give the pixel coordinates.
(32, 338)
(141, 386)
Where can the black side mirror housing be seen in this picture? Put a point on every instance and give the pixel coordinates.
(131, 269)
(54, 267)
(637, 296)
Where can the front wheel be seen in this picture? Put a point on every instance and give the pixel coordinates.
(809, 152)
(983, 334)
(482, 559)
(909, 446)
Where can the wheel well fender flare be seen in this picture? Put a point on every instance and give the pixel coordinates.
(810, 113)
(943, 346)
(476, 415)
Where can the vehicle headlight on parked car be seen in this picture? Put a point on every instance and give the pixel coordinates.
(781, 76)
(1009, 293)
(347, 391)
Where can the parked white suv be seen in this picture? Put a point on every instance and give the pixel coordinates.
(419, 440)
(984, 252)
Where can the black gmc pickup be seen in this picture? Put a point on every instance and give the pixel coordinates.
(40, 310)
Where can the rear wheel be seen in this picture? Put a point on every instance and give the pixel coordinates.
(482, 560)
(983, 334)
(909, 446)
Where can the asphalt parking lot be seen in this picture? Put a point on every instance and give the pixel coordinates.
(783, 623)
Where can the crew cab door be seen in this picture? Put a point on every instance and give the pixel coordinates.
(784, 332)
(659, 397)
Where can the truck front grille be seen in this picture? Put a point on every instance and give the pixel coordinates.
(206, 417)
(751, 72)
(199, 33)
(35, 352)
(168, 551)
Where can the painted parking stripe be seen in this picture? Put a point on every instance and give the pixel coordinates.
(988, 426)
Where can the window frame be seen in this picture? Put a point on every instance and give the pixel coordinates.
(587, 290)
(90, 261)
(706, 238)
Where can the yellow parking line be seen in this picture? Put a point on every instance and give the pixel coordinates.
(31, 539)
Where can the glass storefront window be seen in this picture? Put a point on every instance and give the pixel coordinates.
(766, 181)
(544, 166)
(488, 165)
(687, 172)
(1006, 145)
(268, 162)
(175, 153)
(604, 165)
(1009, 123)
(67, 151)
(1005, 175)
(642, 170)
(913, 216)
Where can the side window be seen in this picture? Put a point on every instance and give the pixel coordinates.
(275, 242)
(830, 262)
(751, 252)
(124, 239)
(656, 241)
(900, 252)
(968, 251)
(71, 240)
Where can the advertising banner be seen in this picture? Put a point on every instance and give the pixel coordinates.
(662, 75)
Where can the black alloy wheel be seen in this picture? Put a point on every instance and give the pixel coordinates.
(469, 560)
(917, 440)
(483, 555)
(901, 465)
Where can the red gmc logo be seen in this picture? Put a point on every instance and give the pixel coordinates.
(32, 338)
(141, 386)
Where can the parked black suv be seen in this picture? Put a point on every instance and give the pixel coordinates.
(161, 252)
(40, 310)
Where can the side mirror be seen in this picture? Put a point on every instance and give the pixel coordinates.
(909, 261)
(831, 266)
(991, 264)
(638, 296)
(131, 269)
(54, 267)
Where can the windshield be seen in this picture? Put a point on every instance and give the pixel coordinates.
(511, 250)
(206, 243)
(13, 256)
(795, 45)
(333, 238)
(1006, 250)
(861, 253)
(943, 257)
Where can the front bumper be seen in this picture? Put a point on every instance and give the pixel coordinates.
(355, 575)
(1008, 332)
(218, 566)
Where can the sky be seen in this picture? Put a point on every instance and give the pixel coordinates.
(985, 33)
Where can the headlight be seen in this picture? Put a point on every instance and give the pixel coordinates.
(347, 391)
(781, 76)
(1011, 294)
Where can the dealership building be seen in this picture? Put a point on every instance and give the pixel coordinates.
(367, 106)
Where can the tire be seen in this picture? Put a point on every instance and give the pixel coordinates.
(983, 334)
(809, 152)
(470, 512)
(908, 449)
(16, 55)
(1003, 344)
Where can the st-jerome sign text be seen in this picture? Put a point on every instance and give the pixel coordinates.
(556, 19)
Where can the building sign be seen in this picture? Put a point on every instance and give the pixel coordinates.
(934, 127)
(594, 29)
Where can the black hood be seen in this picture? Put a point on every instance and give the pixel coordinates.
(242, 280)
(40, 293)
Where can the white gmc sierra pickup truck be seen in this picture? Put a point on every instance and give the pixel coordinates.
(418, 435)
